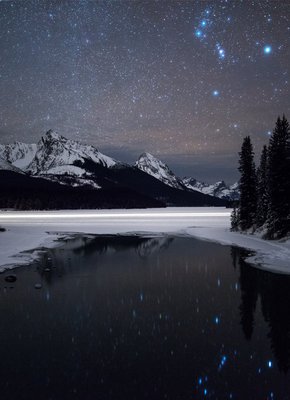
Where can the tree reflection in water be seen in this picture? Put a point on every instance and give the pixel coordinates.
(274, 293)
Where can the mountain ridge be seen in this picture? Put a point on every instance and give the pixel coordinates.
(219, 189)
(74, 164)
(157, 168)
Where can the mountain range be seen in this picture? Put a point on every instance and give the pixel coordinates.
(161, 171)
(57, 167)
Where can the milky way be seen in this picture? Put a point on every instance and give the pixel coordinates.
(185, 80)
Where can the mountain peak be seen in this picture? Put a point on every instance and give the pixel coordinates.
(147, 155)
(155, 167)
(52, 135)
(57, 155)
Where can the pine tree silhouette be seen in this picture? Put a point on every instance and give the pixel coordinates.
(278, 180)
(262, 189)
(248, 197)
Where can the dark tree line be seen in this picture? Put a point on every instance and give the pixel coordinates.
(21, 192)
(265, 191)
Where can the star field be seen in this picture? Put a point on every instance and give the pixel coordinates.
(185, 80)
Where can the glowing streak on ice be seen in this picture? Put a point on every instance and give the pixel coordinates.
(39, 215)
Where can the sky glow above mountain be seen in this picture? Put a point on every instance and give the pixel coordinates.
(184, 80)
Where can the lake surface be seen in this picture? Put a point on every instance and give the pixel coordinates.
(122, 317)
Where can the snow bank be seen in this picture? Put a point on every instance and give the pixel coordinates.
(270, 255)
(30, 231)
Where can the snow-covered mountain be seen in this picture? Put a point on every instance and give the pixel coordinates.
(57, 155)
(19, 154)
(57, 159)
(7, 166)
(154, 167)
(73, 164)
(219, 189)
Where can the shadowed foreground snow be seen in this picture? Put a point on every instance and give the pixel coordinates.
(30, 231)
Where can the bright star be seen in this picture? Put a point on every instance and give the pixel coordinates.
(267, 49)
(203, 23)
(215, 93)
(270, 364)
(198, 33)
(220, 50)
(224, 359)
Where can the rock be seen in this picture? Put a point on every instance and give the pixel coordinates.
(38, 286)
(10, 278)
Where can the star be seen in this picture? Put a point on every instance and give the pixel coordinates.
(267, 49)
(221, 53)
(198, 33)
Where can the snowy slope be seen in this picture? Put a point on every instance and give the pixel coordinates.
(19, 154)
(218, 189)
(154, 167)
(51, 154)
(74, 176)
(55, 157)
(55, 151)
(6, 166)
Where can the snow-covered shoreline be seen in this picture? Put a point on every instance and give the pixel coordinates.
(27, 232)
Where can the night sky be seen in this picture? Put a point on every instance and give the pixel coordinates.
(184, 80)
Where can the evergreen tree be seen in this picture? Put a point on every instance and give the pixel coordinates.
(248, 197)
(262, 189)
(287, 175)
(278, 180)
(234, 219)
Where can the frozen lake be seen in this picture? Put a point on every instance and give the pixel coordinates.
(29, 230)
(126, 317)
(36, 229)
